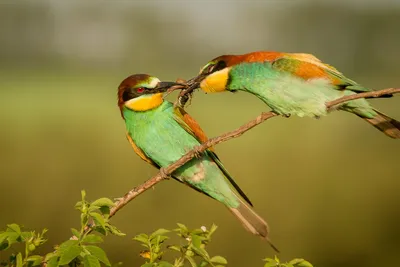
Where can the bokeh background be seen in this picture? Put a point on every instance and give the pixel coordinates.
(329, 188)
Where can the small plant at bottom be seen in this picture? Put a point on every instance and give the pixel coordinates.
(192, 251)
(82, 248)
(275, 262)
(14, 235)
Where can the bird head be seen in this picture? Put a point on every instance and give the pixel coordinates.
(141, 92)
(214, 76)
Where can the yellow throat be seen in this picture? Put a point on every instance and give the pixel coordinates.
(145, 102)
(215, 82)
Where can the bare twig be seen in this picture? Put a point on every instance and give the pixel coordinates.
(165, 172)
(372, 94)
(162, 175)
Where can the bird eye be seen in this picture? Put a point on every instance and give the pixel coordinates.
(209, 69)
(140, 90)
(214, 67)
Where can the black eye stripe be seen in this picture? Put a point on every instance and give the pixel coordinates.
(130, 93)
(215, 67)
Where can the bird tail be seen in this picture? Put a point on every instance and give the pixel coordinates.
(252, 221)
(385, 124)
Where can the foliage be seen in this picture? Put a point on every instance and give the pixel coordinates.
(275, 262)
(82, 249)
(192, 251)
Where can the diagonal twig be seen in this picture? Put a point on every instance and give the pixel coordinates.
(165, 172)
(162, 175)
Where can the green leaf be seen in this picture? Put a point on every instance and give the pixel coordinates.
(91, 238)
(271, 264)
(219, 259)
(75, 232)
(300, 263)
(69, 253)
(143, 238)
(67, 244)
(98, 219)
(84, 219)
(13, 228)
(105, 211)
(191, 261)
(103, 202)
(182, 227)
(100, 230)
(3, 236)
(83, 195)
(213, 229)
(114, 230)
(160, 231)
(148, 265)
(90, 261)
(277, 259)
(99, 254)
(19, 260)
(52, 261)
(176, 248)
(27, 235)
(165, 264)
(13, 237)
(35, 259)
(159, 239)
(196, 240)
(203, 263)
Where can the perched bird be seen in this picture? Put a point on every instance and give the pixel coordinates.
(291, 84)
(161, 134)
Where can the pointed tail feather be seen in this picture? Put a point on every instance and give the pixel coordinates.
(385, 124)
(252, 221)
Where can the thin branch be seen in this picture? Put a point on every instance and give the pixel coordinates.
(373, 94)
(165, 172)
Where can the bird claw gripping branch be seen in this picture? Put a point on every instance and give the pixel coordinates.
(184, 96)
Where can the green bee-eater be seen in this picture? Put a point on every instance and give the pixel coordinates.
(291, 84)
(161, 134)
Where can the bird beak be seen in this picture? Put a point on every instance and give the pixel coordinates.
(166, 86)
(193, 84)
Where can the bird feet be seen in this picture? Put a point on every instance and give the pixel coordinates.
(196, 151)
(164, 173)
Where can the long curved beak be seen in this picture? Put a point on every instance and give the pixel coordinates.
(193, 84)
(165, 86)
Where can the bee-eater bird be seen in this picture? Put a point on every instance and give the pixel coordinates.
(291, 84)
(161, 134)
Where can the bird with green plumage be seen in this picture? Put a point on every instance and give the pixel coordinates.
(291, 84)
(161, 133)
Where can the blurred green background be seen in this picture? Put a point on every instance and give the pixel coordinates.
(329, 188)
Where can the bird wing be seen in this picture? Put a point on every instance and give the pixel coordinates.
(140, 152)
(308, 67)
(192, 127)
